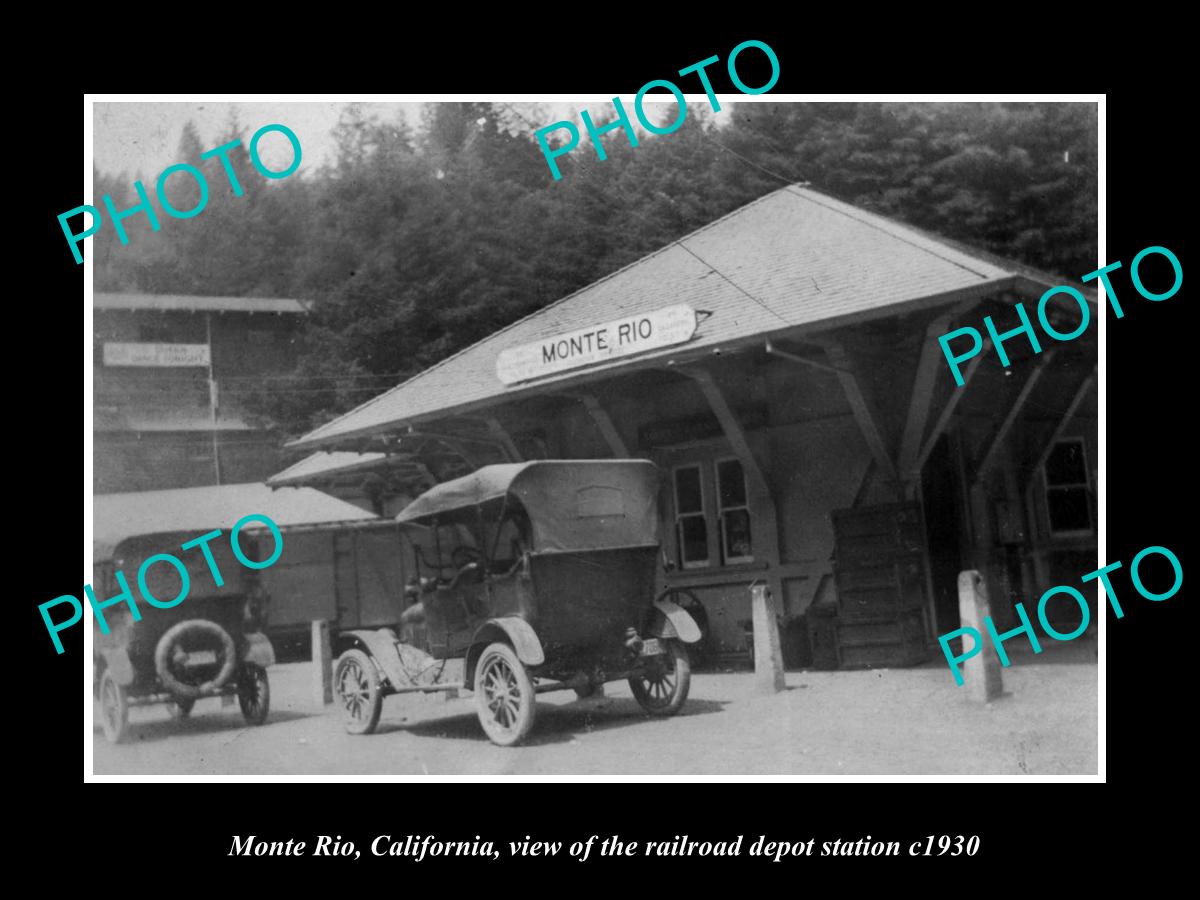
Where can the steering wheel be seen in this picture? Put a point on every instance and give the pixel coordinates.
(464, 556)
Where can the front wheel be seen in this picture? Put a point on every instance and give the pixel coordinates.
(661, 687)
(357, 684)
(504, 695)
(114, 709)
(254, 693)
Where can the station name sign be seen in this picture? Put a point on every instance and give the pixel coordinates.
(155, 354)
(600, 343)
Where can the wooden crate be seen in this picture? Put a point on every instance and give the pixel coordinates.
(882, 641)
(888, 587)
(875, 533)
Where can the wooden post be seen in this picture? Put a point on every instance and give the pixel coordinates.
(981, 673)
(768, 658)
(322, 663)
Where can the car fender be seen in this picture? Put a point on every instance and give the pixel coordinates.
(380, 645)
(673, 621)
(258, 649)
(510, 630)
(116, 660)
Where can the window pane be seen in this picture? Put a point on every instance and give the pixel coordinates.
(693, 539)
(688, 497)
(1069, 509)
(737, 534)
(732, 483)
(1066, 464)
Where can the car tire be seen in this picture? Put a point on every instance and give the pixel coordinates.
(253, 693)
(356, 682)
(504, 695)
(114, 709)
(162, 656)
(662, 686)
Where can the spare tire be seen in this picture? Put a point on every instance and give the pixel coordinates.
(192, 629)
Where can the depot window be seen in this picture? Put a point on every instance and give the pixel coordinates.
(1068, 489)
(734, 513)
(691, 522)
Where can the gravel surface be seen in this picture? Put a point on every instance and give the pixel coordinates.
(881, 722)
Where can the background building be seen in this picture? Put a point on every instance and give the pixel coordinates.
(169, 373)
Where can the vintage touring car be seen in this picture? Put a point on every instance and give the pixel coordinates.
(210, 645)
(538, 576)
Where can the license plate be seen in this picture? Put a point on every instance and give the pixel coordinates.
(651, 647)
(201, 658)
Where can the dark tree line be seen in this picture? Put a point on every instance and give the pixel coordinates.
(412, 244)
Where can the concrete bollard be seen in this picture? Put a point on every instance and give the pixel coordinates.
(768, 658)
(322, 663)
(981, 673)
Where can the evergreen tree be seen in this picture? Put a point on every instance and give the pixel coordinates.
(410, 246)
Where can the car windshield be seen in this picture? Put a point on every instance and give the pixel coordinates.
(507, 538)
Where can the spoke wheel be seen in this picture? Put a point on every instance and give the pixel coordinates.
(662, 685)
(254, 693)
(356, 682)
(504, 695)
(114, 709)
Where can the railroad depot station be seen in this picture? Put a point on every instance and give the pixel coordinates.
(781, 366)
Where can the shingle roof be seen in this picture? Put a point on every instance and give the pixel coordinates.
(321, 463)
(791, 258)
(198, 304)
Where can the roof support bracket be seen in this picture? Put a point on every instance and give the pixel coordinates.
(758, 486)
(921, 399)
(997, 439)
(503, 438)
(943, 419)
(604, 423)
(860, 406)
(1082, 391)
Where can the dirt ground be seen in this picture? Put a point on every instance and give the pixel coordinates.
(879, 722)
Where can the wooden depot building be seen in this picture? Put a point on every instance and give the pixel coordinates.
(781, 366)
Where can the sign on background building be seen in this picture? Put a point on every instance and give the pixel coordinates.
(116, 354)
(599, 343)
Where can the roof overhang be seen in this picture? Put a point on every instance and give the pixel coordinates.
(1011, 288)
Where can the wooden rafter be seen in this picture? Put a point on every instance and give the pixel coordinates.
(947, 413)
(501, 436)
(740, 444)
(921, 399)
(1072, 408)
(997, 440)
(604, 423)
(861, 407)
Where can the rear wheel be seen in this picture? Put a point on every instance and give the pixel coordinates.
(254, 693)
(661, 687)
(504, 695)
(114, 709)
(357, 684)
